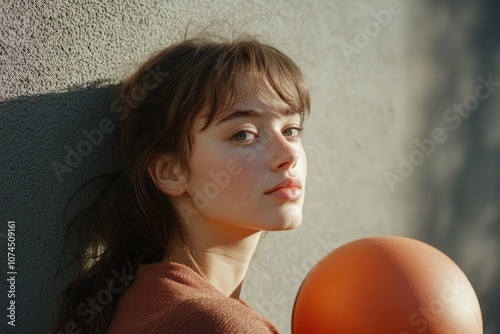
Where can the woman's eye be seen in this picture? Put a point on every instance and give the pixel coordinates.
(292, 132)
(243, 136)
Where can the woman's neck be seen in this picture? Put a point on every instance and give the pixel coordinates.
(222, 258)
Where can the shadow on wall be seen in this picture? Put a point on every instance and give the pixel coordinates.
(462, 181)
(51, 145)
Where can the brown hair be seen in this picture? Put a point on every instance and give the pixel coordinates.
(130, 221)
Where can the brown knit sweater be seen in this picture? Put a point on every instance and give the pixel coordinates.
(170, 297)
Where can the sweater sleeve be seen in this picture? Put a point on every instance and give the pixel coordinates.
(214, 316)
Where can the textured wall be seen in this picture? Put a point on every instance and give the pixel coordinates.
(378, 83)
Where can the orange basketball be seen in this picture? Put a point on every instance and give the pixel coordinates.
(386, 285)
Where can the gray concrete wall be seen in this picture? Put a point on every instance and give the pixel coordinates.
(377, 86)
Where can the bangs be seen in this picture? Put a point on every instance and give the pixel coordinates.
(250, 59)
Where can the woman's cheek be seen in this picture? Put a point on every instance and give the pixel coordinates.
(219, 179)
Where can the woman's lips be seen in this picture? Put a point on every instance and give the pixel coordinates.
(288, 189)
(291, 193)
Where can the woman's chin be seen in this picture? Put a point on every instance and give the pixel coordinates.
(295, 224)
(290, 223)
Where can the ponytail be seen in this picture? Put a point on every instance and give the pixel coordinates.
(107, 247)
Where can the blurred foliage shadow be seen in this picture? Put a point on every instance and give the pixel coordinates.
(462, 181)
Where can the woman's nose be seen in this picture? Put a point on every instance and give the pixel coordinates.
(284, 153)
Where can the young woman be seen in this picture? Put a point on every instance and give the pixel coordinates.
(210, 137)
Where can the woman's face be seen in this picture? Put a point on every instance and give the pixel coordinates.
(248, 168)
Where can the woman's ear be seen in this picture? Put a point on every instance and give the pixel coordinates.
(167, 176)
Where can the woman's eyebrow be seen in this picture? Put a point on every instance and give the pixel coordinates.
(239, 114)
